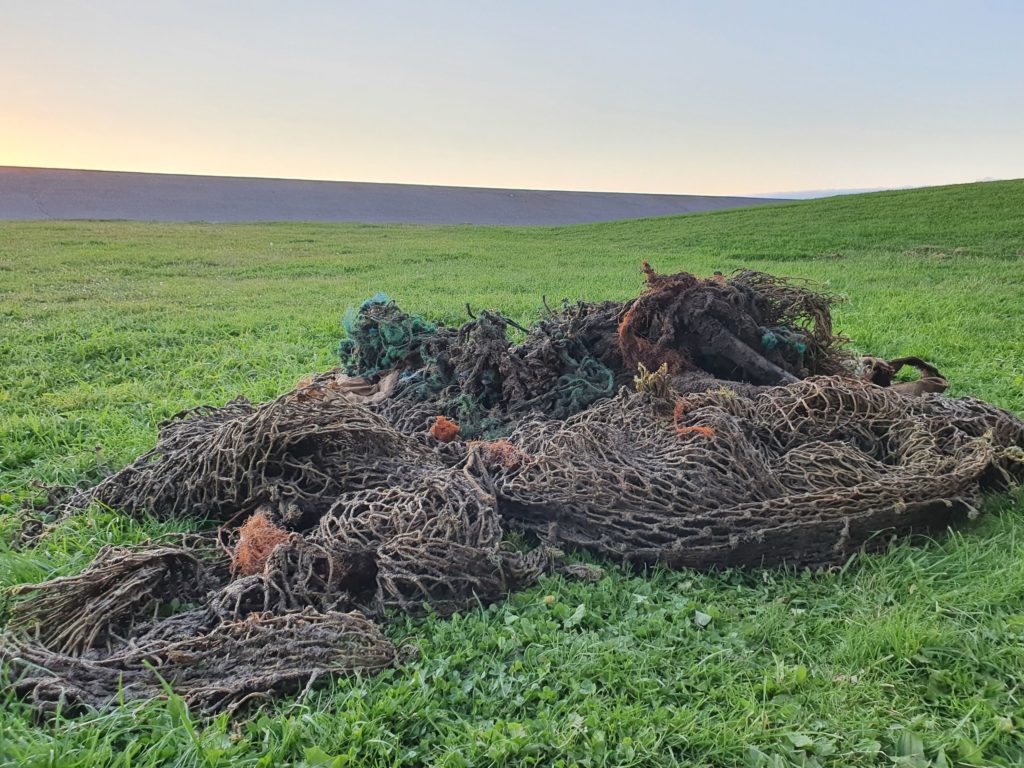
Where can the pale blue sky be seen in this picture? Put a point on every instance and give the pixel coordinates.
(687, 97)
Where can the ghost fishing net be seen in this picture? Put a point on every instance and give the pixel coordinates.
(805, 473)
(707, 423)
(475, 375)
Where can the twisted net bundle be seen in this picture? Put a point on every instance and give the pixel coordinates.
(739, 436)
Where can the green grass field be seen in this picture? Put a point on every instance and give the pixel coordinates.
(914, 657)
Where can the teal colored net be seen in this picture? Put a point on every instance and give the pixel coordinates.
(476, 375)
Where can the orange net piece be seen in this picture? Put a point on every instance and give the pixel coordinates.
(257, 539)
(444, 429)
(503, 453)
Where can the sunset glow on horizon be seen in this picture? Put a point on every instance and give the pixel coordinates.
(728, 98)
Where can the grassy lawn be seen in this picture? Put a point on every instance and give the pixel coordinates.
(914, 657)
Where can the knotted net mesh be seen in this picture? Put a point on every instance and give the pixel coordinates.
(707, 423)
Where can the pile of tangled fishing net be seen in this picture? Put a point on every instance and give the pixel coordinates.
(751, 328)
(706, 423)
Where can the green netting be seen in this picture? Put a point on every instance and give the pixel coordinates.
(382, 337)
(476, 375)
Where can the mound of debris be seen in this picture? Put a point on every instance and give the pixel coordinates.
(706, 423)
(751, 327)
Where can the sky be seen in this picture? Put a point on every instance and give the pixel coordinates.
(723, 97)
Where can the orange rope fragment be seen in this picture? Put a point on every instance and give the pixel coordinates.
(679, 410)
(705, 431)
(677, 414)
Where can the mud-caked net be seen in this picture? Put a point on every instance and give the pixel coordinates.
(708, 422)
